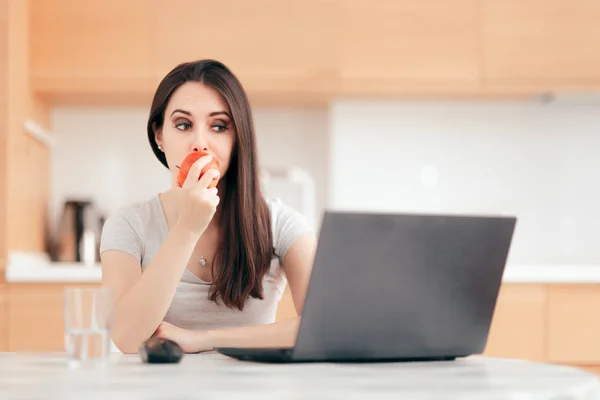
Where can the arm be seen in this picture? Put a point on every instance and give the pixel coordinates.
(297, 265)
(142, 300)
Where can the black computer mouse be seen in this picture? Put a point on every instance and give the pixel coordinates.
(160, 351)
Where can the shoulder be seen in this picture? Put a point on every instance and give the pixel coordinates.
(136, 215)
(287, 225)
(126, 228)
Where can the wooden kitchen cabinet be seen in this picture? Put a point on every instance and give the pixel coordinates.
(594, 369)
(553, 323)
(312, 51)
(518, 327)
(36, 318)
(3, 317)
(5, 93)
(276, 48)
(92, 48)
(537, 322)
(24, 161)
(550, 44)
(32, 318)
(403, 47)
(574, 324)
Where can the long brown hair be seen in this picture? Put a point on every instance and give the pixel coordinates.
(245, 247)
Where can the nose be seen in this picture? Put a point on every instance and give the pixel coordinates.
(200, 143)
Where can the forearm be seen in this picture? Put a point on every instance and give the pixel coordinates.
(277, 334)
(138, 312)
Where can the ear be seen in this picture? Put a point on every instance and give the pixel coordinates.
(157, 134)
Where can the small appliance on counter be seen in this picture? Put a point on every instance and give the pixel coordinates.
(79, 230)
(295, 187)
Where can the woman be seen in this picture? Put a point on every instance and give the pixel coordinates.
(205, 267)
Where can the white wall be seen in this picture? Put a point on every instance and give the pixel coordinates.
(295, 137)
(538, 162)
(103, 154)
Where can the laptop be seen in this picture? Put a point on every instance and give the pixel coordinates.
(398, 287)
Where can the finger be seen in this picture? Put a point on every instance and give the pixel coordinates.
(208, 177)
(196, 170)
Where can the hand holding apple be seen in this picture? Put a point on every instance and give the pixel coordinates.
(187, 163)
(199, 197)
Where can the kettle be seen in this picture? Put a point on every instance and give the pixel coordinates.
(79, 231)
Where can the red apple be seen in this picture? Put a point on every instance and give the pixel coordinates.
(191, 159)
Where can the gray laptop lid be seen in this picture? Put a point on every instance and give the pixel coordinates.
(403, 286)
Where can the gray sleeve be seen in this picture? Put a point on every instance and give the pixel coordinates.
(118, 233)
(288, 225)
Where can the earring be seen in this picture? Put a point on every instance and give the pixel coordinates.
(160, 148)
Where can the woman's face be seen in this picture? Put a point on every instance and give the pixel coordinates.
(196, 118)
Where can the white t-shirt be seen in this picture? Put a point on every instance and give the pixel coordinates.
(140, 230)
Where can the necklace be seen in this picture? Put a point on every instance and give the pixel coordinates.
(203, 261)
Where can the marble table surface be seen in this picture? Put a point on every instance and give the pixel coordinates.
(213, 376)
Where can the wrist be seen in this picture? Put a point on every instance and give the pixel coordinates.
(204, 340)
(183, 233)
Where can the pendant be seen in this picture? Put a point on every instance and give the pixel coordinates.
(203, 261)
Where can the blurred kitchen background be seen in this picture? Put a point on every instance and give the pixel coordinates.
(454, 106)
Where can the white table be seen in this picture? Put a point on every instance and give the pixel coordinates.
(212, 376)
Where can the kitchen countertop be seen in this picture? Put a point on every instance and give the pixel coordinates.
(31, 268)
(211, 375)
(37, 268)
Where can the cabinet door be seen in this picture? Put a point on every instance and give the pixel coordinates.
(574, 324)
(3, 317)
(36, 317)
(404, 46)
(518, 328)
(92, 47)
(552, 43)
(277, 48)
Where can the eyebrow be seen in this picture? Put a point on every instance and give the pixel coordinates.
(212, 114)
(181, 111)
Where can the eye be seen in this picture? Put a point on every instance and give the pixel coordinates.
(219, 127)
(183, 126)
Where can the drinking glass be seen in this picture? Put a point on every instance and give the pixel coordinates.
(87, 320)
